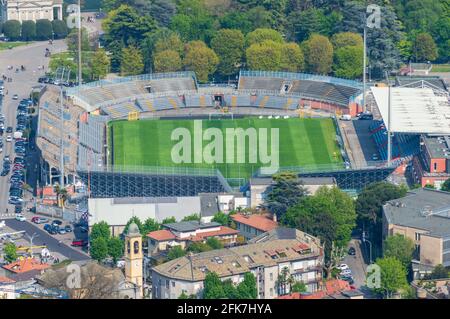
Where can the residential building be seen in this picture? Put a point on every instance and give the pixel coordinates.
(423, 215)
(23, 10)
(213, 203)
(266, 256)
(432, 165)
(332, 289)
(252, 225)
(183, 233)
(7, 288)
(23, 271)
(259, 187)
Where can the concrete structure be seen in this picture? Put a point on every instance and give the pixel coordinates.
(212, 203)
(183, 233)
(252, 225)
(23, 10)
(266, 256)
(7, 286)
(424, 217)
(259, 186)
(432, 165)
(133, 256)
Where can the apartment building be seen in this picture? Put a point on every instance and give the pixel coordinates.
(252, 225)
(266, 256)
(423, 215)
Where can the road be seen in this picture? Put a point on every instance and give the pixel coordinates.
(44, 238)
(31, 57)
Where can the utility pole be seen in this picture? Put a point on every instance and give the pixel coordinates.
(80, 77)
(364, 68)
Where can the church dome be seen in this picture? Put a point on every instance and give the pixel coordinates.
(133, 229)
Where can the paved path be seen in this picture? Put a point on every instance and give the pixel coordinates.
(31, 57)
(44, 238)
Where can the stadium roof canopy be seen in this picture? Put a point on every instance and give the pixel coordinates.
(414, 110)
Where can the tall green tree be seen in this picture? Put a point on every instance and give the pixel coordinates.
(167, 61)
(318, 52)
(348, 62)
(229, 46)
(28, 30)
(345, 39)
(284, 194)
(100, 230)
(446, 186)
(99, 248)
(213, 288)
(400, 247)
(60, 29)
(292, 59)
(262, 35)
(132, 62)
(264, 56)
(100, 64)
(393, 277)
(10, 252)
(175, 252)
(44, 29)
(214, 243)
(424, 48)
(247, 289)
(200, 59)
(150, 225)
(11, 29)
(115, 248)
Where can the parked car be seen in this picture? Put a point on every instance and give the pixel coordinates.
(346, 272)
(342, 267)
(61, 231)
(352, 251)
(79, 243)
(20, 218)
(39, 220)
(57, 222)
(68, 229)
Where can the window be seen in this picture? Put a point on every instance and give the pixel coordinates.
(136, 247)
(417, 236)
(173, 284)
(167, 284)
(271, 276)
(271, 292)
(435, 166)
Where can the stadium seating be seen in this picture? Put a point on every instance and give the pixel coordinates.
(198, 100)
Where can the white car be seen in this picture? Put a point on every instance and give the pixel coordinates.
(2, 224)
(9, 138)
(20, 218)
(342, 267)
(346, 272)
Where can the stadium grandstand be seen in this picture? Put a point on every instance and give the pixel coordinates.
(89, 108)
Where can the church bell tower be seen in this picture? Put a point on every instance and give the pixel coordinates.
(134, 258)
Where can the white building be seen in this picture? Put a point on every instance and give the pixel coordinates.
(7, 287)
(23, 10)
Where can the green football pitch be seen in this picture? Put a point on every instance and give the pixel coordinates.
(309, 143)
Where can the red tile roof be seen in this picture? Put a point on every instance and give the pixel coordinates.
(6, 280)
(223, 231)
(336, 285)
(26, 265)
(161, 235)
(298, 295)
(331, 287)
(256, 221)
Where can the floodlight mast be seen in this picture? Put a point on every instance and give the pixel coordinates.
(388, 129)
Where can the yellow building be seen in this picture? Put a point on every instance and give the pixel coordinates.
(134, 257)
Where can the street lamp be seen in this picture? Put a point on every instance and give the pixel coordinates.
(31, 242)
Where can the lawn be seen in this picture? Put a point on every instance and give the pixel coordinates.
(302, 142)
(7, 45)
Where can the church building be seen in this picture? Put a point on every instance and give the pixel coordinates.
(23, 10)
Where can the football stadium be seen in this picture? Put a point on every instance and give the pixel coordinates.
(118, 134)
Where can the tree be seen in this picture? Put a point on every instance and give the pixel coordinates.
(214, 243)
(348, 62)
(10, 252)
(302, 24)
(200, 59)
(99, 248)
(100, 230)
(138, 222)
(262, 35)
(318, 52)
(369, 207)
(28, 30)
(247, 289)
(44, 29)
(345, 39)
(229, 46)
(284, 282)
(392, 276)
(168, 220)
(193, 217)
(167, 61)
(446, 186)
(198, 247)
(100, 64)
(150, 225)
(115, 248)
(439, 272)
(299, 286)
(329, 215)
(400, 247)
(284, 194)
(292, 59)
(11, 29)
(213, 288)
(60, 29)
(264, 56)
(162, 11)
(175, 252)
(132, 62)
(425, 48)
(72, 40)
(169, 41)
(222, 218)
